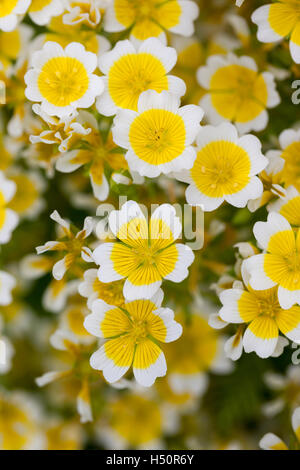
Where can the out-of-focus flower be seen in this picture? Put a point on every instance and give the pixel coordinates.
(19, 422)
(199, 350)
(134, 421)
(159, 136)
(272, 442)
(93, 289)
(11, 11)
(286, 389)
(144, 254)
(65, 340)
(237, 92)
(27, 201)
(8, 218)
(7, 284)
(132, 335)
(86, 12)
(149, 18)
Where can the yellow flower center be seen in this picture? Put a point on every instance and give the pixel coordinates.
(269, 307)
(63, 80)
(131, 75)
(139, 330)
(157, 136)
(7, 6)
(221, 168)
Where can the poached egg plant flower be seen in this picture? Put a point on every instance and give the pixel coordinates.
(144, 254)
(41, 11)
(277, 21)
(151, 18)
(131, 335)
(129, 71)
(225, 168)
(159, 135)
(237, 92)
(62, 80)
(280, 264)
(262, 315)
(10, 11)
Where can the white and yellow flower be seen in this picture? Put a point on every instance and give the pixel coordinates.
(130, 70)
(288, 205)
(131, 335)
(159, 136)
(7, 284)
(264, 317)
(63, 79)
(27, 201)
(280, 265)
(199, 350)
(225, 168)
(8, 218)
(272, 179)
(14, 44)
(277, 21)
(10, 13)
(136, 420)
(19, 422)
(143, 254)
(72, 243)
(41, 11)
(151, 18)
(289, 141)
(237, 92)
(93, 289)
